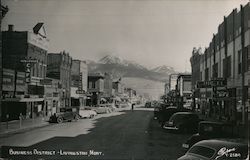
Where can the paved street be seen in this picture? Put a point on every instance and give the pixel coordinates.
(127, 135)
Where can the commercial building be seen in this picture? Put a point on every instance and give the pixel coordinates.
(109, 92)
(118, 87)
(59, 67)
(3, 11)
(95, 88)
(79, 83)
(196, 75)
(52, 90)
(224, 70)
(25, 51)
(183, 89)
(172, 81)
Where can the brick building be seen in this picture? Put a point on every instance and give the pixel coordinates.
(225, 69)
(25, 51)
(59, 67)
(3, 11)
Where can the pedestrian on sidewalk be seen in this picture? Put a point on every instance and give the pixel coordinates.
(132, 106)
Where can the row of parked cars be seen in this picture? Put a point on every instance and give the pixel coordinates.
(209, 141)
(70, 114)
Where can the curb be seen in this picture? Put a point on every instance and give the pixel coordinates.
(9, 133)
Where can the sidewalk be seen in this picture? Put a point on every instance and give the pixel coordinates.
(16, 126)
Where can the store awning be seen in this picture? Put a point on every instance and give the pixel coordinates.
(23, 99)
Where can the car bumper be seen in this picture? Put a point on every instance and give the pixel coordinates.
(170, 128)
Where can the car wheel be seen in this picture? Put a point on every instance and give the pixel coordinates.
(59, 119)
(91, 116)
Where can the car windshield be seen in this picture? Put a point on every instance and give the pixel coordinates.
(202, 151)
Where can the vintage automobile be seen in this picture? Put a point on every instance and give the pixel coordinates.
(148, 104)
(157, 109)
(215, 149)
(167, 112)
(87, 113)
(65, 114)
(183, 122)
(209, 130)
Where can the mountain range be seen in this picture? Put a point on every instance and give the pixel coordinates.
(119, 67)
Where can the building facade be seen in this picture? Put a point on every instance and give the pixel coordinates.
(95, 88)
(108, 88)
(183, 89)
(26, 52)
(79, 78)
(224, 69)
(3, 11)
(172, 81)
(59, 67)
(52, 90)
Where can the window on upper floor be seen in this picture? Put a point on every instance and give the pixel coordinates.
(93, 84)
(229, 66)
(215, 70)
(207, 74)
(239, 61)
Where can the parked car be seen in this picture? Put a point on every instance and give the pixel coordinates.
(87, 113)
(167, 112)
(217, 150)
(183, 122)
(157, 109)
(209, 130)
(65, 114)
(148, 104)
(100, 110)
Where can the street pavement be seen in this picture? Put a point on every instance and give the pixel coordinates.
(124, 135)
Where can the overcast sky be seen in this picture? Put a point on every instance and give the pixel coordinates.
(150, 32)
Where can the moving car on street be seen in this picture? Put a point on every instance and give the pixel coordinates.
(210, 130)
(218, 150)
(65, 114)
(183, 122)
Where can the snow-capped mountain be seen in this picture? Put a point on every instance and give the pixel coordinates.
(110, 59)
(163, 69)
(119, 67)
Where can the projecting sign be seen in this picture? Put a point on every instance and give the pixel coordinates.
(27, 73)
(28, 63)
(80, 92)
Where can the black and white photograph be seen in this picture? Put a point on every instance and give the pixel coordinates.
(125, 80)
